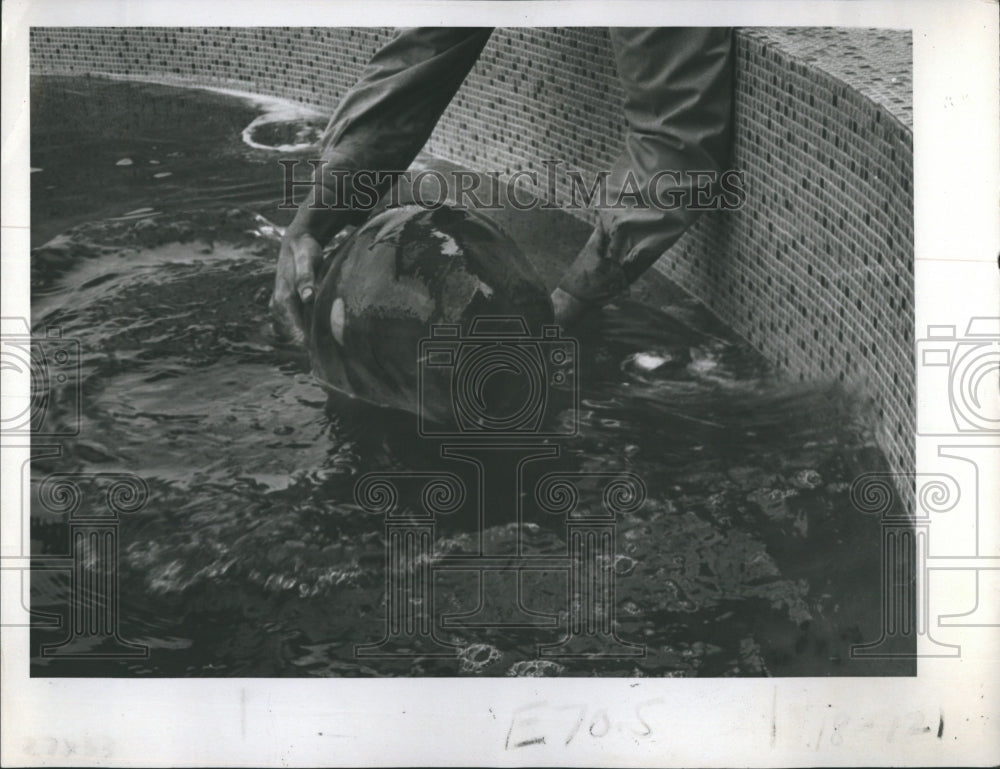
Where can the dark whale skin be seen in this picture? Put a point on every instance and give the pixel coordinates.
(404, 270)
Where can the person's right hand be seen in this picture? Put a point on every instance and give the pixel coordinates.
(295, 283)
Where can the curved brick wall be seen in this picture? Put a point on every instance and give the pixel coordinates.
(816, 271)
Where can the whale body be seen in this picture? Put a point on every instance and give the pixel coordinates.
(398, 279)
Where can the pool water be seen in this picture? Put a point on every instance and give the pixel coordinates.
(155, 229)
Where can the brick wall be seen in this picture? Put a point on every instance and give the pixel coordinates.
(816, 271)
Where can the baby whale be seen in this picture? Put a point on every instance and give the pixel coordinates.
(410, 275)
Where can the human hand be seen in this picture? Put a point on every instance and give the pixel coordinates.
(294, 283)
(567, 308)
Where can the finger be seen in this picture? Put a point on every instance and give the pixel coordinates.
(306, 253)
(287, 317)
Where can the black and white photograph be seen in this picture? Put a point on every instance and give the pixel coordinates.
(458, 355)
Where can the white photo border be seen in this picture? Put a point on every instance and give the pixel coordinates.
(947, 715)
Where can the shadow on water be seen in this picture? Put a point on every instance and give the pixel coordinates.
(252, 556)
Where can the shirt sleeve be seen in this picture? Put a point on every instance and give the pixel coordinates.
(384, 120)
(678, 85)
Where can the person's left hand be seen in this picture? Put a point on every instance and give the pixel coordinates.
(295, 283)
(568, 309)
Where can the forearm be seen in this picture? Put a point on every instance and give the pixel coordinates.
(678, 105)
(382, 123)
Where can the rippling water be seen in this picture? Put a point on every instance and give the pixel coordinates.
(251, 557)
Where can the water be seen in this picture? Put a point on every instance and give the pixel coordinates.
(251, 556)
